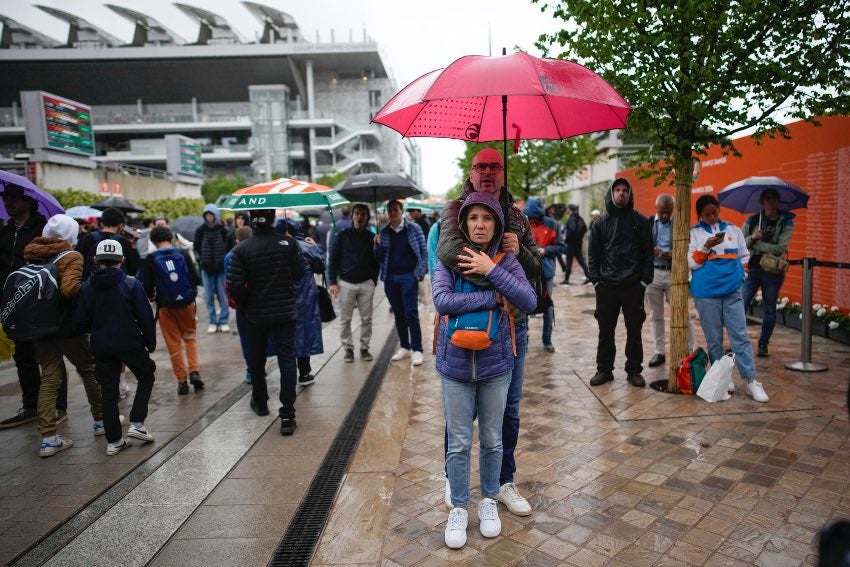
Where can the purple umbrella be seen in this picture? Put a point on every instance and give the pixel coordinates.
(743, 196)
(47, 203)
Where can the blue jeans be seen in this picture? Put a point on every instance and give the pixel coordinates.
(461, 402)
(403, 294)
(715, 313)
(770, 285)
(510, 421)
(549, 314)
(214, 287)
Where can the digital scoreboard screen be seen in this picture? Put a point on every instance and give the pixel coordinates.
(57, 123)
(183, 155)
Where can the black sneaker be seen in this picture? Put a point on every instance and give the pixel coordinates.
(763, 351)
(260, 408)
(635, 379)
(365, 354)
(349, 355)
(600, 378)
(195, 379)
(306, 379)
(182, 388)
(287, 426)
(23, 416)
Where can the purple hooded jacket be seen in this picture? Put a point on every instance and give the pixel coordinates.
(508, 278)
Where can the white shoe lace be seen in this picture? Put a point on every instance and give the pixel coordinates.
(457, 519)
(511, 493)
(487, 509)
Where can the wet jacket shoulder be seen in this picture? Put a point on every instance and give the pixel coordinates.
(452, 241)
(781, 239)
(261, 277)
(113, 307)
(621, 245)
(13, 240)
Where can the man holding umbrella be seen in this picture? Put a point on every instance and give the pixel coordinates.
(488, 174)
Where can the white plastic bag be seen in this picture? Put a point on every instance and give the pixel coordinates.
(718, 380)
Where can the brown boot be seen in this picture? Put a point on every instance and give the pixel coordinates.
(600, 378)
(635, 379)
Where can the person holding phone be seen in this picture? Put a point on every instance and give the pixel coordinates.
(717, 257)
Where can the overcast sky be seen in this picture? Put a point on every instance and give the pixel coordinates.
(414, 37)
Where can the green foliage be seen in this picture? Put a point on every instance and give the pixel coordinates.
(331, 178)
(538, 165)
(172, 208)
(214, 188)
(697, 71)
(74, 197)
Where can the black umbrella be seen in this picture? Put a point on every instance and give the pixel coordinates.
(186, 226)
(376, 187)
(122, 203)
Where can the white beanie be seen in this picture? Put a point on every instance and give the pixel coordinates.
(62, 226)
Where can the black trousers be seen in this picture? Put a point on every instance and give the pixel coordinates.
(107, 370)
(574, 251)
(29, 377)
(304, 367)
(283, 336)
(609, 302)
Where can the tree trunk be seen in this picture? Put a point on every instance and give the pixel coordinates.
(684, 168)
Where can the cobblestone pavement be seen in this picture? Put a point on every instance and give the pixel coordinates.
(616, 475)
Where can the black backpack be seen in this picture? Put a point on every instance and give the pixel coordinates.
(31, 301)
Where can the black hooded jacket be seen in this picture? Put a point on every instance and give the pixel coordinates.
(620, 249)
(13, 239)
(261, 277)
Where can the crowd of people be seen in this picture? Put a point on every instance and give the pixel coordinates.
(490, 263)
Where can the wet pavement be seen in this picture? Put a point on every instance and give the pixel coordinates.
(616, 475)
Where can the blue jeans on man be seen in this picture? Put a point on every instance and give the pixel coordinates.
(770, 285)
(462, 402)
(214, 288)
(402, 291)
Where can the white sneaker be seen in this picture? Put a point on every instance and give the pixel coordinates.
(224, 328)
(447, 498)
(401, 354)
(509, 496)
(488, 518)
(417, 358)
(98, 428)
(212, 329)
(123, 391)
(756, 391)
(52, 445)
(117, 447)
(456, 528)
(139, 432)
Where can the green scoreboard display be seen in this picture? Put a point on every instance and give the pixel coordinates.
(183, 155)
(56, 123)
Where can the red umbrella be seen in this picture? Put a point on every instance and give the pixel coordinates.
(478, 98)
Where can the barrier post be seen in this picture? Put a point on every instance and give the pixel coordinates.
(806, 364)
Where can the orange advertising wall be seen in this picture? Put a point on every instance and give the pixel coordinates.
(816, 159)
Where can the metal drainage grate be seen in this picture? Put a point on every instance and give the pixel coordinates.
(298, 543)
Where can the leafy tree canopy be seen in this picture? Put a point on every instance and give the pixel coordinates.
(214, 188)
(699, 71)
(331, 178)
(537, 165)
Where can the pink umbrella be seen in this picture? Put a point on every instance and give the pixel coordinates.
(478, 98)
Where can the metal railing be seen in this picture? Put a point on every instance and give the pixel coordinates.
(805, 363)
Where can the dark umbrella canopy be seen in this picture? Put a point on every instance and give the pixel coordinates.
(122, 203)
(376, 187)
(186, 226)
(744, 196)
(19, 185)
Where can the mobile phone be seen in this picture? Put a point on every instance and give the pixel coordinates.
(721, 234)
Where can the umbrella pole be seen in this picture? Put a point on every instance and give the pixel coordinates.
(505, 133)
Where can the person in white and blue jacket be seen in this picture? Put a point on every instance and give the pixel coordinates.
(717, 257)
(476, 382)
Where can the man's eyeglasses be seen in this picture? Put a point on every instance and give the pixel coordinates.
(483, 167)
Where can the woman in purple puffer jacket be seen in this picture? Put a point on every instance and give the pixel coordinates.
(475, 382)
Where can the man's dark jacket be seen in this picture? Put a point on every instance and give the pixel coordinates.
(14, 239)
(261, 277)
(353, 257)
(620, 249)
